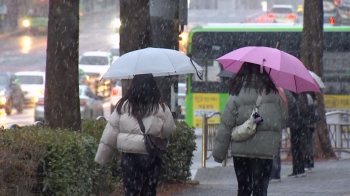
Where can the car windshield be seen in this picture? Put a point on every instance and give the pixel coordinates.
(39, 10)
(94, 60)
(30, 79)
(3, 80)
(115, 52)
(281, 10)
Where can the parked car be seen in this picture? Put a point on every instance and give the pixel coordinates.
(339, 15)
(11, 95)
(32, 84)
(83, 77)
(116, 94)
(344, 13)
(95, 63)
(283, 14)
(330, 13)
(181, 99)
(91, 106)
(115, 52)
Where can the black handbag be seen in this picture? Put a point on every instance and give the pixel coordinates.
(154, 145)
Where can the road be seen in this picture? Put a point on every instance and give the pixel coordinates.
(28, 53)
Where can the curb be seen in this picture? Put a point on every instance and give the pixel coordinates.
(9, 34)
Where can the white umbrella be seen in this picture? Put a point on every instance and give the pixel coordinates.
(157, 61)
(317, 79)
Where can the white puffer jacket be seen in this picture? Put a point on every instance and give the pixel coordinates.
(123, 131)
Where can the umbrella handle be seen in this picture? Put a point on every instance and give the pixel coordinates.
(198, 73)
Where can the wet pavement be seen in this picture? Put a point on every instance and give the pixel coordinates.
(328, 178)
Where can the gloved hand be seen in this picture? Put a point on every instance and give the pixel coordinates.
(217, 160)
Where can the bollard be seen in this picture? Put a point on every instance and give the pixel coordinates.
(13, 126)
(36, 123)
(204, 140)
(101, 118)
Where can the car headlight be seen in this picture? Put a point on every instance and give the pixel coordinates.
(25, 23)
(3, 100)
(117, 23)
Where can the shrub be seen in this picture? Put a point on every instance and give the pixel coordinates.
(178, 160)
(61, 162)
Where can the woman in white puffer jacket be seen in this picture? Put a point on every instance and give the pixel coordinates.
(140, 170)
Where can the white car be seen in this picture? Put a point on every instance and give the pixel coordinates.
(116, 94)
(32, 84)
(115, 52)
(181, 99)
(91, 105)
(95, 63)
(283, 14)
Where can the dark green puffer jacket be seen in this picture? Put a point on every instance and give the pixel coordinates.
(264, 144)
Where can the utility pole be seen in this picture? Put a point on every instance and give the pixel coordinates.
(153, 23)
(168, 18)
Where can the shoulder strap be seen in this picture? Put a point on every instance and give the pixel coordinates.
(142, 126)
(258, 100)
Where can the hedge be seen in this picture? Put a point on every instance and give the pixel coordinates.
(40, 160)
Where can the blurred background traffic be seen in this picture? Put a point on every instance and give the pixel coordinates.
(23, 42)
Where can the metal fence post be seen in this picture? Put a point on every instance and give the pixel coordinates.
(204, 140)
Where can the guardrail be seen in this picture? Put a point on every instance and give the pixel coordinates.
(208, 136)
(339, 133)
(37, 123)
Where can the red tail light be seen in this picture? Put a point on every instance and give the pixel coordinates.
(40, 102)
(114, 92)
(291, 16)
(271, 15)
(262, 19)
(83, 102)
(331, 20)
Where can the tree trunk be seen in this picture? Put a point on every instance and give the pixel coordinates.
(135, 31)
(62, 104)
(312, 57)
(165, 34)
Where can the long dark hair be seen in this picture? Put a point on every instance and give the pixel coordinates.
(143, 97)
(248, 77)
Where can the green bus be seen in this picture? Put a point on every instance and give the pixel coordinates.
(36, 15)
(207, 43)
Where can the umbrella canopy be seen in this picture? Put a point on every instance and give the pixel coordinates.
(225, 74)
(156, 61)
(285, 70)
(317, 79)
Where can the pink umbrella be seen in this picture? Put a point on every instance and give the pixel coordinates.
(285, 70)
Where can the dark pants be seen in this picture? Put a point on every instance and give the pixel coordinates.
(253, 175)
(140, 174)
(297, 137)
(309, 150)
(276, 166)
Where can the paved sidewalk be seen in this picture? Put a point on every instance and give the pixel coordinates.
(329, 178)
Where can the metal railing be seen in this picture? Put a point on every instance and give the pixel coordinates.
(208, 136)
(339, 133)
